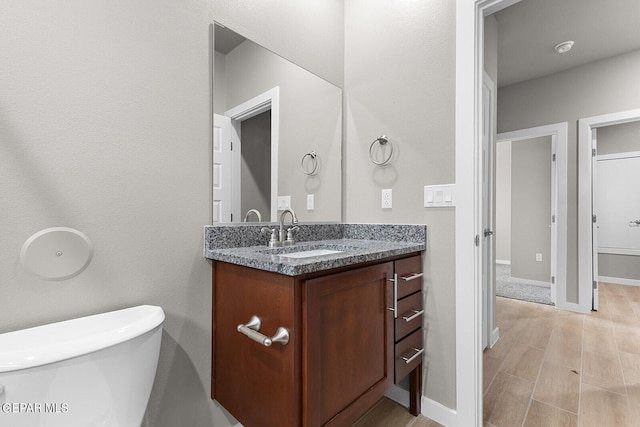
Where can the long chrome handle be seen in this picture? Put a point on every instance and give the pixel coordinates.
(395, 296)
(415, 314)
(252, 327)
(412, 276)
(418, 351)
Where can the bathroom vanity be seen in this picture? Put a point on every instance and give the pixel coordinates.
(315, 333)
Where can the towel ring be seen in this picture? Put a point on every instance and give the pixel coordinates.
(313, 160)
(382, 140)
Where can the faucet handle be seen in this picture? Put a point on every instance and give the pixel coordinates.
(273, 239)
(290, 231)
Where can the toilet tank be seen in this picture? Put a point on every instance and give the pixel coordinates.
(90, 371)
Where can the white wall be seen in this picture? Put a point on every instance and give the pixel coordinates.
(503, 201)
(598, 88)
(400, 81)
(105, 126)
(531, 208)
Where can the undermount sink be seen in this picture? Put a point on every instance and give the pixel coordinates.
(311, 253)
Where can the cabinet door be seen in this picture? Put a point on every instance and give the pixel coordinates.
(348, 344)
(258, 385)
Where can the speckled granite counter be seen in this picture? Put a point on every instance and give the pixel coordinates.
(243, 244)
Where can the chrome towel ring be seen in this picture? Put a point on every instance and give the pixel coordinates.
(311, 163)
(382, 140)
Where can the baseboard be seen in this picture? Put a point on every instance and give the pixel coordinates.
(532, 282)
(503, 261)
(438, 412)
(619, 280)
(398, 395)
(495, 335)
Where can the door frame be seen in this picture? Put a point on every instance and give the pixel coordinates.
(468, 221)
(587, 283)
(269, 100)
(559, 140)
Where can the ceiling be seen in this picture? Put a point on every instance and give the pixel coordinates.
(529, 30)
(225, 39)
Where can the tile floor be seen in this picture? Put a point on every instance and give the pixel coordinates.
(554, 368)
(558, 368)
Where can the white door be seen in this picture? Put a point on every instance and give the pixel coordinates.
(618, 203)
(594, 230)
(488, 256)
(222, 186)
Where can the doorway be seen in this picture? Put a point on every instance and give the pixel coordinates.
(248, 168)
(549, 144)
(587, 213)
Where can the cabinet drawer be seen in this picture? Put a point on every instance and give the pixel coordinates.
(409, 353)
(409, 271)
(409, 318)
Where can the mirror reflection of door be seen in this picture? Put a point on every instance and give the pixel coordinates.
(255, 167)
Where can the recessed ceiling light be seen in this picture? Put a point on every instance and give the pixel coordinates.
(564, 46)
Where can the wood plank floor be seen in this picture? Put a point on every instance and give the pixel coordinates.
(387, 413)
(558, 368)
(554, 368)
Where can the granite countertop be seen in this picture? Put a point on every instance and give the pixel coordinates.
(233, 244)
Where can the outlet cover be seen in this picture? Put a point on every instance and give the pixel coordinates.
(284, 202)
(539, 257)
(310, 202)
(387, 198)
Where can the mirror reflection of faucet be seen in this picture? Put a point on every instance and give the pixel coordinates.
(278, 237)
(256, 212)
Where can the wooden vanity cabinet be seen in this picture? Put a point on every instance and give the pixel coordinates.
(340, 356)
(409, 346)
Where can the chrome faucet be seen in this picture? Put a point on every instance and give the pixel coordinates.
(278, 237)
(253, 211)
(294, 221)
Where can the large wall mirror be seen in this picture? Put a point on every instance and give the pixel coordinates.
(277, 136)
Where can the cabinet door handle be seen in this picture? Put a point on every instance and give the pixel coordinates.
(412, 276)
(395, 296)
(252, 327)
(418, 351)
(415, 314)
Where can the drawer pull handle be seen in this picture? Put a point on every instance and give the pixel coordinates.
(418, 351)
(412, 276)
(415, 314)
(252, 327)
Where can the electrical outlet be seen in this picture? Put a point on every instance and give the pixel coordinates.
(387, 198)
(284, 202)
(310, 202)
(539, 257)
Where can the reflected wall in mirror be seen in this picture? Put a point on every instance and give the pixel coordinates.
(268, 114)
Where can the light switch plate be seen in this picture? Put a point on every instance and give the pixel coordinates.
(439, 196)
(310, 202)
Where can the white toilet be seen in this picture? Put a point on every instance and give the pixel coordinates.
(91, 371)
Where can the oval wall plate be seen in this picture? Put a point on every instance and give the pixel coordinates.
(56, 253)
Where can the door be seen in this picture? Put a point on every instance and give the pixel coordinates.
(222, 187)
(488, 256)
(594, 231)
